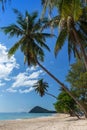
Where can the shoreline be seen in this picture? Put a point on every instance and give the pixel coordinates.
(55, 122)
(34, 116)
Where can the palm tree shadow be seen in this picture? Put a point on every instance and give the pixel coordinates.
(73, 119)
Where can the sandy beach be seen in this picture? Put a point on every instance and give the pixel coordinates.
(56, 122)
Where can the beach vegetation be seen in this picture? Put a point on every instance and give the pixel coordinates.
(77, 78)
(65, 104)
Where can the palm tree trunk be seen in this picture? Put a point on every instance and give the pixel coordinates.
(51, 95)
(72, 113)
(81, 47)
(64, 87)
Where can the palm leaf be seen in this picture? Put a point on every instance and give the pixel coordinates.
(12, 30)
(72, 43)
(15, 47)
(42, 44)
(34, 15)
(48, 4)
(43, 36)
(77, 9)
(60, 41)
(18, 13)
(83, 27)
(69, 48)
(51, 23)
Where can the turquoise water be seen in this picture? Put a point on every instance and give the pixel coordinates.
(14, 116)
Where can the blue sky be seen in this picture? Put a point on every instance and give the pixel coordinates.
(16, 79)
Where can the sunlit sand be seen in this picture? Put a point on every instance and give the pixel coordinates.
(56, 122)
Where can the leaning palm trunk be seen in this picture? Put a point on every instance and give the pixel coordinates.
(72, 113)
(64, 87)
(81, 48)
(51, 95)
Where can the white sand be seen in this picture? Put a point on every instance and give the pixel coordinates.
(57, 122)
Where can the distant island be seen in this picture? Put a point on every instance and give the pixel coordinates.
(39, 109)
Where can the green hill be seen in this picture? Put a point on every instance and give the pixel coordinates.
(38, 109)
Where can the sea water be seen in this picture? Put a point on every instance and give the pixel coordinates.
(22, 115)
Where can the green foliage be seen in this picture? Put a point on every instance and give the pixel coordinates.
(77, 69)
(65, 103)
(60, 41)
(77, 77)
(70, 8)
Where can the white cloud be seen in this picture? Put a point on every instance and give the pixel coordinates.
(11, 90)
(24, 80)
(26, 90)
(35, 74)
(32, 68)
(7, 79)
(2, 84)
(6, 65)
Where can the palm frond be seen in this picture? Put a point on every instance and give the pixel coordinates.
(54, 22)
(76, 9)
(34, 15)
(70, 47)
(18, 13)
(60, 41)
(83, 27)
(15, 47)
(48, 4)
(41, 43)
(73, 46)
(43, 36)
(12, 30)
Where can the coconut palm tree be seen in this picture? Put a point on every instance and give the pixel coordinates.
(41, 88)
(72, 18)
(72, 22)
(31, 43)
(31, 40)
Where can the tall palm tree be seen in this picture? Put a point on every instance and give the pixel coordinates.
(72, 22)
(31, 39)
(31, 43)
(41, 88)
(72, 19)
